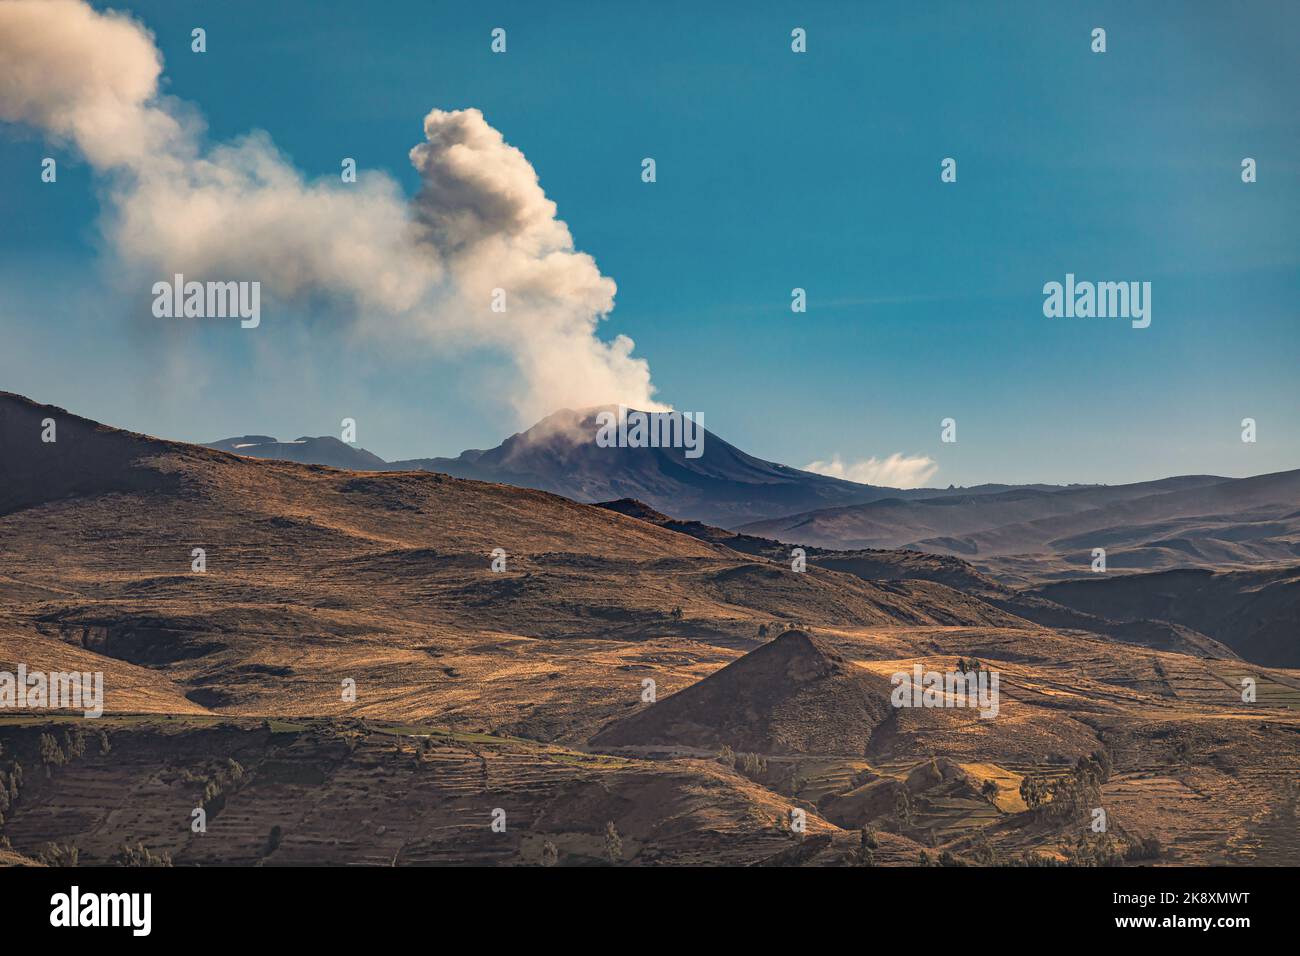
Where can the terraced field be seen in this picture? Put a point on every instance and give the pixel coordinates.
(360, 794)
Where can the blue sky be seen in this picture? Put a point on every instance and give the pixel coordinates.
(775, 170)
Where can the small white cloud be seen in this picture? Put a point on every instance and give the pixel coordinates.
(896, 471)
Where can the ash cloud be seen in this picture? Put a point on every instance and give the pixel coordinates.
(421, 269)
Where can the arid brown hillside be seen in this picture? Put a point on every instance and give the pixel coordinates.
(880, 565)
(795, 694)
(315, 575)
(1257, 613)
(342, 639)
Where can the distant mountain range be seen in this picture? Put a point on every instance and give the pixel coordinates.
(1196, 520)
(724, 486)
(323, 450)
(1021, 533)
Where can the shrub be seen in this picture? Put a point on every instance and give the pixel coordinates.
(550, 855)
(51, 753)
(52, 854)
(903, 810)
(1034, 790)
(751, 765)
(1144, 848)
(141, 855)
(613, 843)
(74, 742)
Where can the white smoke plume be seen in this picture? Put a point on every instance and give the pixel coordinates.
(895, 471)
(424, 267)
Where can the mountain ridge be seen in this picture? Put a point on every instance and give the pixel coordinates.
(725, 486)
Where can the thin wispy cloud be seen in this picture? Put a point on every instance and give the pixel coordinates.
(894, 471)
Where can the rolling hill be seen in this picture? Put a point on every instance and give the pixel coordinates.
(774, 700)
(1025, 534)
(324, 450)
(1256, 612)
(328, 660)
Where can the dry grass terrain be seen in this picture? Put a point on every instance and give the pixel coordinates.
(522, 690)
